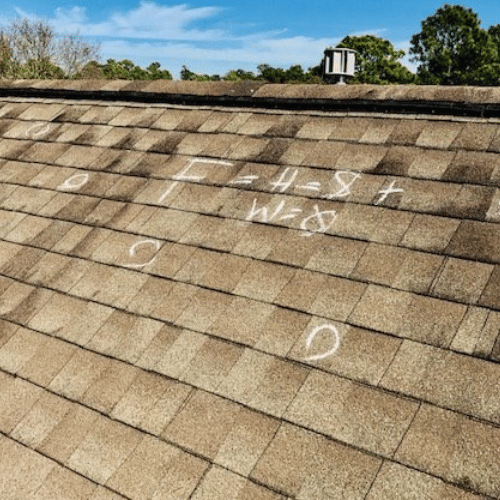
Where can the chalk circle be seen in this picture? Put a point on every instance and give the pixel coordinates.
(133, 252)
(32, 135)
(74, 182)
(336, 341)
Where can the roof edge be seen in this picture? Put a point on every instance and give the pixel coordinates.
(420, 99)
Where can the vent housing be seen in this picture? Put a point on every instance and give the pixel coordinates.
(339, 64)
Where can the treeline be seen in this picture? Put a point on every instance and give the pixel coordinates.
(451, 49)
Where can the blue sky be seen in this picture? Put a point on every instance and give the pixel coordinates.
(214, 36)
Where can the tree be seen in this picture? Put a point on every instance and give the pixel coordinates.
(155, 73)
(237, 75)
(187, 74)
(453, 49)
(72, 53)
(31, 49)
(377, 61)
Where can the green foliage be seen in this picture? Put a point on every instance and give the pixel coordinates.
(453, 49)
(187, 74)
(238, 75)
(40, 68)
(377, 61)
(123, 70)
(294, 74)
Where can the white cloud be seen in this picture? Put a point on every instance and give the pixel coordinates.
(146, 21)
(171, 35)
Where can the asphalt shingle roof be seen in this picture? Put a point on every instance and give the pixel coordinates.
(224, 301)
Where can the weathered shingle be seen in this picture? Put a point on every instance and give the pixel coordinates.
(214, 301)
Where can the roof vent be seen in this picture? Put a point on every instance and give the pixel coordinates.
(339, 64)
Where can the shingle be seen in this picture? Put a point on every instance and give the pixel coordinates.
(397, 161)
(219, 483)
(203, 424)
(151, 402)
(39, 152)
(109, 388)
(92, 135)
(243, 321)
(247, 148)
(475, 240)
(418, 271)
(447, 379)
(281, 330)
(471, 167)
(430, 163)
(263, 280)
(337, 298)
(434, 198)
(41, 419)
(28, 199)
(104, 449)
(258, 240)
(68, 433)
(380, 264)
(192, 120)
(475, 137)
(357, 221)
(99, 114)
(246, 442)
(169, 224)
(361, 157)
(205, 308)
(22, 471)
(140, 476)
(306, 465)
(351, 129)
(19, 350)
(379, 131)
(344, 410)
(361, 354)
(182, 477)
(395, 481)
(439, 135)
(78, 375)
(301, 290)
(263, 382)
(431, 233)
(28, 228)
(318, 128)
(431, 320)
(462, 280)
(325, 154)
(64, 484)
(453, 447)
(47, 361)
(18, 397)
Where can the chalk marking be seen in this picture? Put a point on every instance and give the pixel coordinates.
(133, 251)
(254, 212)
(182, 176)
(33, 135)
(168, 191)
(283, 183)
(386, 192)
(311, 186)
(74, 182)
(336, 341)
(320, 217)
(245, 180)
(291, 215)
(345, 187)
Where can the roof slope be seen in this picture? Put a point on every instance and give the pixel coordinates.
(209, 302)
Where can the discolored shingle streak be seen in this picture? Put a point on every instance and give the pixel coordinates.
(226, 301)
